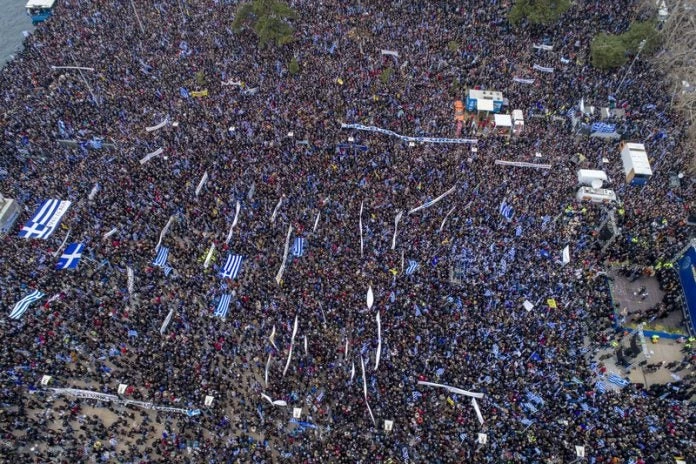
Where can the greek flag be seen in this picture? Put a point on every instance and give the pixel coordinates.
(526, 421)
(603, 127)
(600, 387)
(530, 407)
(167, 270)
(232, 266)
(506, 210)
(70, 257)
(298, 247)
(534, 397)
(412, 267)
(416, 395)
(132, 333)
(22, 305)
(161, 258)
(45, 219)
(618, 411)
(223, 306)
(616, 380)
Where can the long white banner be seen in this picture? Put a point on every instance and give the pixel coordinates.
(406, 138)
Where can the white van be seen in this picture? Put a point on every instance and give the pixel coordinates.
(592, 178)
(596, 195)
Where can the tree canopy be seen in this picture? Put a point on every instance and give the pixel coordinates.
(268, 19)
(542, 12)
(612, 51)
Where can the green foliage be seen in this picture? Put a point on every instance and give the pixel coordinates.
(638, 31)
(543, 12)
(293, 66)
(612, 51)
(385, 76)
(607, 51)
(268, 19)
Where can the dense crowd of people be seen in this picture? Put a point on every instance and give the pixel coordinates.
(534, 367)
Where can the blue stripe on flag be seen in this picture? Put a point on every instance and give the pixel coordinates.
(223, 306)
(49, 211)
(412, 267)
(70, 257)
(232, 266)
(298, 247)
(22, 305)
(161, 258)
(603, 127)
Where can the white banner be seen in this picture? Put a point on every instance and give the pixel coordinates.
(234, 223)
(158, 126)
(110, 233)
(57, 252)
(362, 365)
(164, 232)
(275, 210)
(445, 219)
(287, 364)
(542, 68)
(131, 279)
(521, 164)
(543, 47)
(452, 389)
(202, 183)
(396, 225)
(390, 53)
(379, 341)
(432, 202)
(316, 222)
(166, 322)
(271, 338)
(361, 235)
(149, 156)
(566, 254)
(265, 376)
(478, 411)
(209, 256)
(406, 138)
(93, 193)
(523, 80)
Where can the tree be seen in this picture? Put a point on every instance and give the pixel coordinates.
(607, 51)
(612, 51)
(268, 19)
(542, 12)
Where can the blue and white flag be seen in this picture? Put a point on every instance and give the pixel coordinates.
(298, 246)
(232, 266)
(223, 306)
(22, 305)
(161, 258)
(183, 92)
(412, 267)
(534, 397)
(506, 210)
(603, 127)
(45, 219)
(167, 270)
(132, 333)
(617, 380)
(600, 387)
(70, 257)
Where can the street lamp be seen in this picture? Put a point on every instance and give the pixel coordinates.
(640, 49)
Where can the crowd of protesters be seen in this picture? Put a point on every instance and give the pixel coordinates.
(458, 320)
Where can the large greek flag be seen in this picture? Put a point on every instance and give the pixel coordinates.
(70, 257)
(161, 258)
(412, 267)
(22, 305)
(506, 210)
(45, 219)
(223, 306)
(603, 127)
(298, 246)
(232, 266)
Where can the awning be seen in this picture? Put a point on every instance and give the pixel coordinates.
(503, 120)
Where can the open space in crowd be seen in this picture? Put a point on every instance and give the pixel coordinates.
(232, 252)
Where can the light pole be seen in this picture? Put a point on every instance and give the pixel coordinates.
(640, 49)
